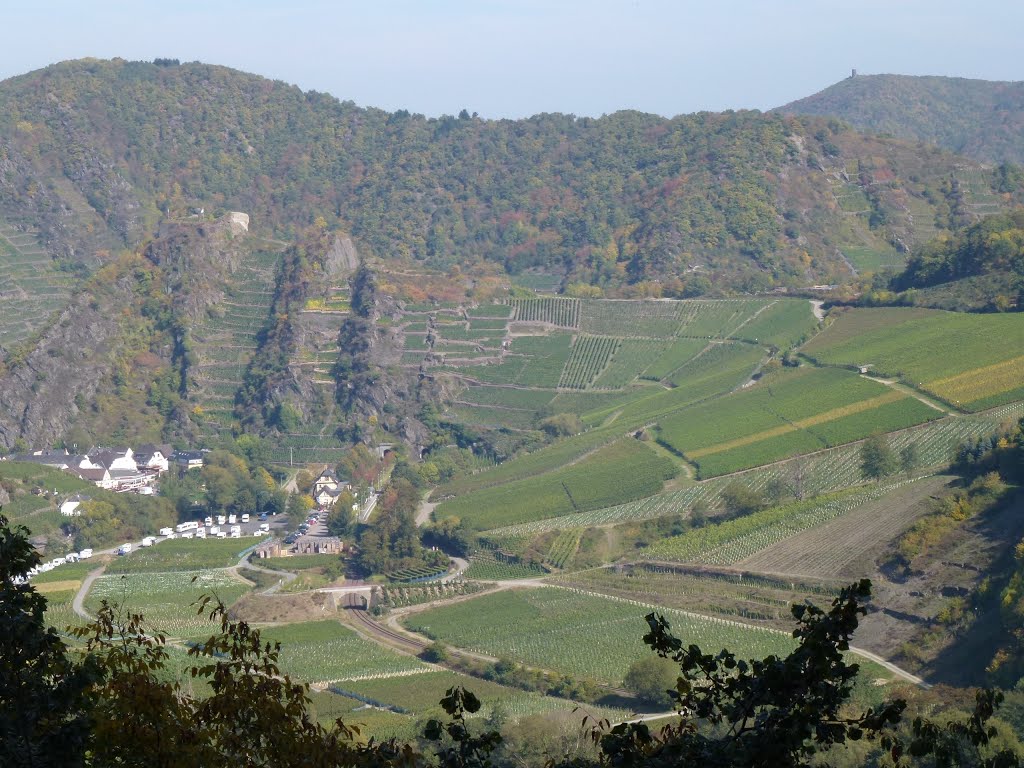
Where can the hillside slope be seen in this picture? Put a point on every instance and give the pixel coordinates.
(980, 119)
(106, 162)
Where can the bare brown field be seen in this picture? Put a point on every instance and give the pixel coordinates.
(843, 546)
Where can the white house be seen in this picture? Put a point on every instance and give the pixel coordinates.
(155, 458)
(114, 458)
(327, 488)
(70, 507)
(100, 477)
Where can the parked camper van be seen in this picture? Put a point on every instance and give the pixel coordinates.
(124, 549)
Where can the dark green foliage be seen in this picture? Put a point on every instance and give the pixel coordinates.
(652, 679)
(877, 459)
(740, 500)
(993, 245)
(43, 694)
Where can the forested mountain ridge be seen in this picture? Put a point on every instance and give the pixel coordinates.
(94, 153)
(981, 119)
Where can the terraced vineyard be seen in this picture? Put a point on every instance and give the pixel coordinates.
(626, 469)
(812, 553)
(561, 312)
(733, 541)
(789, 413)
(31, 288)
(590, 355)
(486, 566)
(225, 340)
(421, 694)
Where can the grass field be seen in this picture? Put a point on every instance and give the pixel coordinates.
(982, 369)
(183, 555)
(578, 633)
(781, 324)
(786, 414)
(421, 694)
(323, 651)
(624, 470)
(166, 599)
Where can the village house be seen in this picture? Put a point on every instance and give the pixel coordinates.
(327, 488)
(113, 458)
(188, 459)
(116, 469)
(154, 458)
(71, 506)
(99, 476)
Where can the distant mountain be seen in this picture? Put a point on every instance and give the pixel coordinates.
(980, 119)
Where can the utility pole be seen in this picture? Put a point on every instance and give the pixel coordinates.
(291, 456)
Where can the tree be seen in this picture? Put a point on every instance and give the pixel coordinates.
(740, 500)
(44, 704)
(909, 458)
(876, 458)
(340, 520)
(782, 712)
(304, 481)
(562, 425)
(651, 678)
(298, 505)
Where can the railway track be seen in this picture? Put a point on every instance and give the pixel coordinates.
(390, 636)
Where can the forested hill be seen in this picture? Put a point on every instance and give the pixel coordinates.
(94, 154)
(980, 119)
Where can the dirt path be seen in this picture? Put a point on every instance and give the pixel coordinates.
(893, 384)
(816, 309)
(78, 604)
(898, 671)
(425, 510)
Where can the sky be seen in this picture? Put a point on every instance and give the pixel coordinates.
(505, 58)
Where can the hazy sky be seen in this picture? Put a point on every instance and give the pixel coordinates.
(506, 58)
